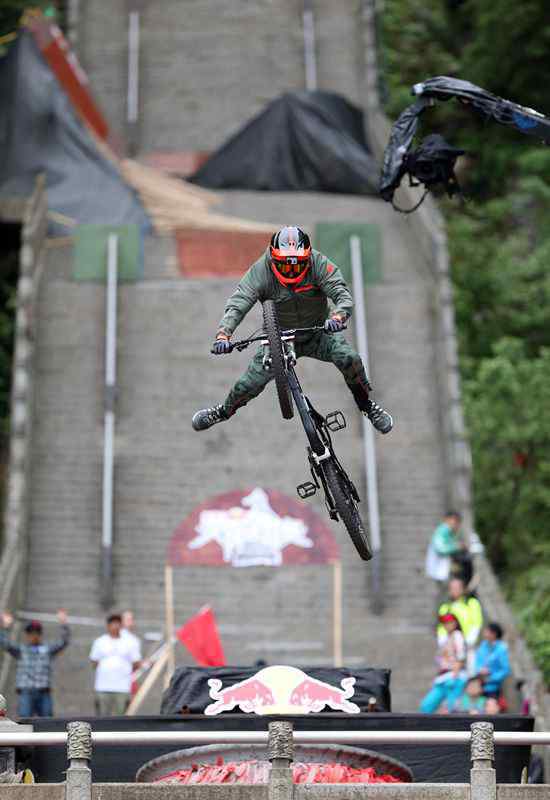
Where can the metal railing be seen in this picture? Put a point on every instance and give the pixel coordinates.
(310, 59)
(145, 738)
(109, 423)
(369, 446)
(279, 740)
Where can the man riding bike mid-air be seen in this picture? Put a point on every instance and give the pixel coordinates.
(300, 281)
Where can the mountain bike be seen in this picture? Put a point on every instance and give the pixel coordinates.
(327, 473)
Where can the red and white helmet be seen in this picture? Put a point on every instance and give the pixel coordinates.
(290, 252)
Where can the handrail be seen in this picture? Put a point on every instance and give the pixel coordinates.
(45, 738)
(310, 61)
(132, 102)
(369, 446)
(109, 424)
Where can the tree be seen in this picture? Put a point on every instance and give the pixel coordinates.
(500, 254)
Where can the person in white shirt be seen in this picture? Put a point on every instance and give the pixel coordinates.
(115, 656)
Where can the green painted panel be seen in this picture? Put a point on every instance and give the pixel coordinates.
(90, 261)
(332, 238)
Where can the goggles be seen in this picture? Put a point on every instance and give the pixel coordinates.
(291, 265)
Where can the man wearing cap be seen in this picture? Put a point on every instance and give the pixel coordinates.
(34, 664)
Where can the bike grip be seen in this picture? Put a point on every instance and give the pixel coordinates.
(214, 353)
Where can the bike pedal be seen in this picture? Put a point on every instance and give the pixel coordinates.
(306, 489)
(335, 421)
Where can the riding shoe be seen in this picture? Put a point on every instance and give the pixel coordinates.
(379, 417)
(207, 417)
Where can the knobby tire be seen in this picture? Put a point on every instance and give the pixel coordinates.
(273, 333)
(347, 509)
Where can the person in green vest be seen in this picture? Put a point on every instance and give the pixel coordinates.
(467, 609)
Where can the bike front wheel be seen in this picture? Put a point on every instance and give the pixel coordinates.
(273, 333)
(346, 507)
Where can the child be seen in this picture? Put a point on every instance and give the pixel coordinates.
(473, 700)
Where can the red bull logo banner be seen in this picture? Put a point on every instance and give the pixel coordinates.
(281, 690)
(277, 689)
(255, 527)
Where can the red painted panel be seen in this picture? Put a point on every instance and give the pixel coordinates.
(207, 253)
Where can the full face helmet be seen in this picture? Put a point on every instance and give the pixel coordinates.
(290, 254)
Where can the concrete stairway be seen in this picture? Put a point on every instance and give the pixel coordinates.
(164, 469)
(207, 68)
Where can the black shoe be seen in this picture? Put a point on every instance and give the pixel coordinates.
(379, 417)
(207, 417)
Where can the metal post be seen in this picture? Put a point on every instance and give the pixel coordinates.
(133, 79)
(109, 427)
(369, 447)
(482, 775)
(79, 754)
(280, 748)
(309, 47)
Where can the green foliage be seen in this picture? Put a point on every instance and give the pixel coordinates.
(506, 401)
(531, 594)
(500, 254)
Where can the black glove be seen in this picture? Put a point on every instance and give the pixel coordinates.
(333, 325)
(221, 346)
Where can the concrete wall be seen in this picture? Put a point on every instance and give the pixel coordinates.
(206, 69)
(418, 791)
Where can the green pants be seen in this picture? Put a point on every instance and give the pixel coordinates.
(112, 704)
(322, 346)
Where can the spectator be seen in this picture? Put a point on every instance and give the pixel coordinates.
(445, 543)
(491, 659)
(114, 656)
(34, 664)
(473, 701)
(492, 706)
(451, 659)
(467, 609)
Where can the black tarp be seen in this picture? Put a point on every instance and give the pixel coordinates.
(40, 132)
(429, 763)
(302, 141)
(190, 686)
(442, 88)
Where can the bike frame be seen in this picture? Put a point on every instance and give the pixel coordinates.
(316, 427)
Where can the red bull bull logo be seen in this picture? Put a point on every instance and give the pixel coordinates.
(281, 690)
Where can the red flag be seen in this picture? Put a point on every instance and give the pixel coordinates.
(200, 636)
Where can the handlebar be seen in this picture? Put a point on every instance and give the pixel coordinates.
(286, 336)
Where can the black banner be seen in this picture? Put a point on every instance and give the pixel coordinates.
(276, 689)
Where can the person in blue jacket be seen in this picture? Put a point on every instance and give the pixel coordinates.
(491, 660)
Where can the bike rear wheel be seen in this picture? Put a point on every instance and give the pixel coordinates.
(347, 509)
(273, 333)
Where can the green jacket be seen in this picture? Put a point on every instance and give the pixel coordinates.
(298, 306)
